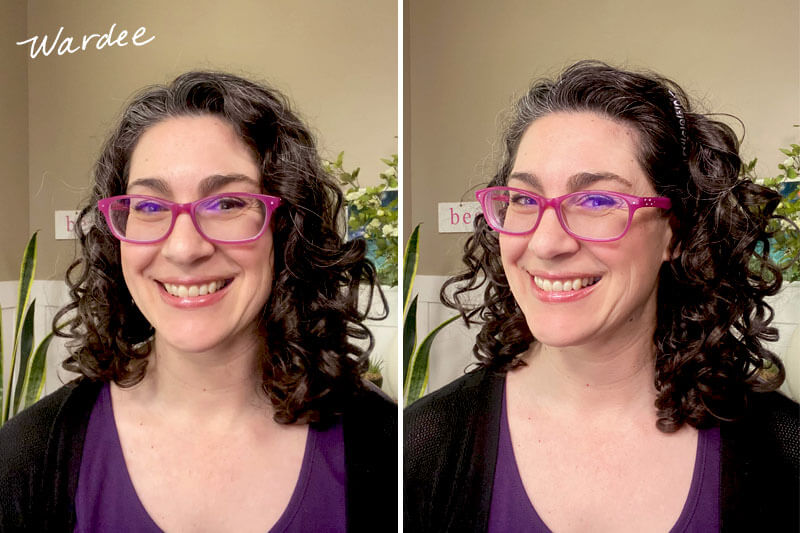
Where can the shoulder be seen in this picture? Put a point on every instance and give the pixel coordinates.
(370, 413)
(771, 422)
(25, 436)
(35, 441)
(760, 462)
(450, 446)
(369, 427)
(453, 406)
(777, 409)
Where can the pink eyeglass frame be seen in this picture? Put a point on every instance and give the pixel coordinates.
(272, 203)
(634, 203)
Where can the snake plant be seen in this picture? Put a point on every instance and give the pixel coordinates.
(26, 376)
(415, 357)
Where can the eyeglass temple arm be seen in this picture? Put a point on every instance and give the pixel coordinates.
(656, 201)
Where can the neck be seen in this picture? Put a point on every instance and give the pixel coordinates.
(213, 386)
(610, 378)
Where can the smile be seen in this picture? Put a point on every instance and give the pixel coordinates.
(562, 285)
(193, 291)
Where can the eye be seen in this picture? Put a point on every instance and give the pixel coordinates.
(225, 203)
(523, 200)
(596, 201)
(148, 206)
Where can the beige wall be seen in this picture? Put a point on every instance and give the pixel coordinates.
(465, 63)
(13, 140)
(336, 60)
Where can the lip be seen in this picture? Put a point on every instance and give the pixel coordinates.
(197, 301)
(562, 296)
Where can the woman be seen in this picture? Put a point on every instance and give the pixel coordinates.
(622, 381)
(214, 324)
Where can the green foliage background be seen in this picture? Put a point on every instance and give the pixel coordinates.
(785, 248)
(379, 222)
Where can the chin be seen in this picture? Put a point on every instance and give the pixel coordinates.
(557, 333)
(192, 341)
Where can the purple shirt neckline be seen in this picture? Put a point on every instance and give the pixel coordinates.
(512, 510)
(106, 499)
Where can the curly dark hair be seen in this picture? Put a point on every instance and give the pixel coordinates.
(315, 355)
(711, 314)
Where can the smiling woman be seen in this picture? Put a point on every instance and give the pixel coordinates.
(215, 326)
(622, 381)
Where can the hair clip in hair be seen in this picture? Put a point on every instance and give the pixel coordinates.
(681, 119)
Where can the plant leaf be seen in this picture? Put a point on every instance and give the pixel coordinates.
(410, 262)
(35, 373)
(26, 272)
(25, 349)
(409, 336)
(418, 377)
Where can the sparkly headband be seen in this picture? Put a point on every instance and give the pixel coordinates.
(681, 119)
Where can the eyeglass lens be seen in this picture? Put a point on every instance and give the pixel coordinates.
(591, 215)
(223, 218)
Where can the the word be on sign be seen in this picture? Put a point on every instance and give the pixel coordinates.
(65, 224)
(458, 217)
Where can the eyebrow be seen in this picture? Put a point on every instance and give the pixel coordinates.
(208, 185)
(575, 182)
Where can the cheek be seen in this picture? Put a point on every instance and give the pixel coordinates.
(270, 268)
(134, 260)
(130, 262)
(264, 261)
(646, 251)
(511, 249)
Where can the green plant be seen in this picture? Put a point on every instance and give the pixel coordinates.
(786, 235)
(372, 214)
(374, 372)
(26, 379)
(415, 358)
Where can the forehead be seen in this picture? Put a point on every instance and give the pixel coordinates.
(561, 145)
(180, 152)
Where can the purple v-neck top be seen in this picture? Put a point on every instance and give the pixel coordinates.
(512, 510)
(107, 501)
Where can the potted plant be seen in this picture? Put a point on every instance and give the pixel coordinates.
(785, 242)
(372, 214)
(415, 356)
(373, 373)
(26, 379)
(785, 251)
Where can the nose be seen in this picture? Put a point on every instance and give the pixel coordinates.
(550, 240)
(185, 244)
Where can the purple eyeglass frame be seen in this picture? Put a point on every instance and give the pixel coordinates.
(634, 203)
(272, 202)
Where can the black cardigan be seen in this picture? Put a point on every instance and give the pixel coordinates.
(41, 449)
(451, 440)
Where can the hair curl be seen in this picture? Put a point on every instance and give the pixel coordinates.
(711, 315)
(313, 361)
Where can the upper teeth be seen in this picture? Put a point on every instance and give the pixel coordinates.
(190, 291)
(563, 285)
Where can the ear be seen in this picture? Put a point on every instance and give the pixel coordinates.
(673, 250)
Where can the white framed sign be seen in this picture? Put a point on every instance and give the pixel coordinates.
(458, 217)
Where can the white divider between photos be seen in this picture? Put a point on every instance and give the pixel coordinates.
(452, 350)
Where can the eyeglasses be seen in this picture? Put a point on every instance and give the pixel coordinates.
(598, 216)
(230, 218)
